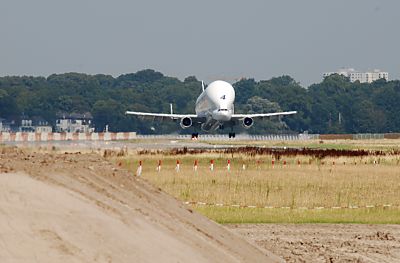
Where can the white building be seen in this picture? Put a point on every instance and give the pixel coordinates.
(362, 77)
(4, 126)
(26, 125)
(75, 122)
(34, 124)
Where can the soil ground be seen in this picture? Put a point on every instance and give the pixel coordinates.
(63, 207)
(326, 242)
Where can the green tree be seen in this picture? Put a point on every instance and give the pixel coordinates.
(270, 125)
(106, 112)
(8, 106)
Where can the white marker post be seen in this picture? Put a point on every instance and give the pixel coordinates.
(228, 166)
(139, 169)
(177, 168)
(195, 165)
(212, 165)
(159, 166)
(243, 166)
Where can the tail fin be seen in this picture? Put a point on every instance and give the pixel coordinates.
(202, 85)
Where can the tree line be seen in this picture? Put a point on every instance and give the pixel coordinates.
(335, 105)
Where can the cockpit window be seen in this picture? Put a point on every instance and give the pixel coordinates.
(223, 110)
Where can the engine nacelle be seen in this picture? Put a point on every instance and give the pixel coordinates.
(186, 122)
(247, 122)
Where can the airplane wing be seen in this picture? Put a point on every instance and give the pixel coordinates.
(160, 116)
(262, 115)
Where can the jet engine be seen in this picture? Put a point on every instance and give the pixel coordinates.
(186, 122)
(247, 122)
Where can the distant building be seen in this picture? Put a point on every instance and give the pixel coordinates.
(74, 122)
(34, 124)
(362, 77)
(26, 124)
(4, 125)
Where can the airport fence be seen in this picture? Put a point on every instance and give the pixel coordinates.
(358, 136)
(66, 136)
(116, 136)
(244, 137)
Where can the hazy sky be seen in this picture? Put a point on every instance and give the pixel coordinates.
(220, 39)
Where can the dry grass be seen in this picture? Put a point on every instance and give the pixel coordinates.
(293, 186)
(383, 144)
(350, 182)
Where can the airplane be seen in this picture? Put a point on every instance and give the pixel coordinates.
(214, 110)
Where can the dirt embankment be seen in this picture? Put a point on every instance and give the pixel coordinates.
(326, 242)
(80, 208)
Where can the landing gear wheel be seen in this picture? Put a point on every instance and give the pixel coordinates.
(232, 135)
(195, 136)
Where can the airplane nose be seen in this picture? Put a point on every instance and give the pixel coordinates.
(222, 115)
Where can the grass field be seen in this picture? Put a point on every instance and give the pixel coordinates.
(310, 192)
(386, 144)
(260, 215)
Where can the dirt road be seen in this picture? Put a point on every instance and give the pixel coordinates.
(80, 208)
(326, 242)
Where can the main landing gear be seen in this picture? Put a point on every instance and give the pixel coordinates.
(232, 135)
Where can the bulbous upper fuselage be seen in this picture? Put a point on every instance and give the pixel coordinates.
(216, 101)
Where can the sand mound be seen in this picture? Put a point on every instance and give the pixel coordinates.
(79, 208)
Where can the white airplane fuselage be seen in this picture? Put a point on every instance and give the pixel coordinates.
(215, 103)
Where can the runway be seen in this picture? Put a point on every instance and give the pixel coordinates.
(131, 145)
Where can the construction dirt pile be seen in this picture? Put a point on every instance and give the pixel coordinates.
(63, 207)
(326, 242)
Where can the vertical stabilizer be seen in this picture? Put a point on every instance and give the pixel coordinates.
(202, 85)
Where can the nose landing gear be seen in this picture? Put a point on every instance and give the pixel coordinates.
(195, 136)
(232, 135)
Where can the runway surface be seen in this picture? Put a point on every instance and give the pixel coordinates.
(143, 144)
